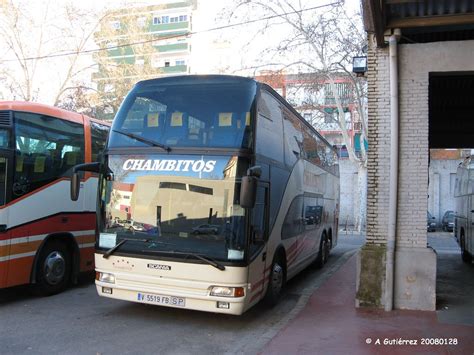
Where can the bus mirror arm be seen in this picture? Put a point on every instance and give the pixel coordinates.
(248, 189)
(255, 171)
(76, 180)
(258, 237)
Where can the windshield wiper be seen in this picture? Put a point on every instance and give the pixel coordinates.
(187, 254)
(144, 140)
(119, 244)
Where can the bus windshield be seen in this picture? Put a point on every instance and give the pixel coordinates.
(176, 203)
(187, 113)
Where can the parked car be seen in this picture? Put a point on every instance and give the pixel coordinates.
(431, 223)
(447, 223)
(134, 226)
(206, 229)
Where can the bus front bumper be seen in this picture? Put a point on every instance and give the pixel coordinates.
(226, 305)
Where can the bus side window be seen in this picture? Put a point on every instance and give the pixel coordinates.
(3, 180)
(258, 218)
(46, 148)
(269, 128)
(294, 139)
(293, 223)
(99, 137)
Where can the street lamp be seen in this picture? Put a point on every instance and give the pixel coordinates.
(359, 65)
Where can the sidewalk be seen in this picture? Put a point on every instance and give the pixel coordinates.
(330, 324)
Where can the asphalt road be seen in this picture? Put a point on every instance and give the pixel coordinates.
(80, 322)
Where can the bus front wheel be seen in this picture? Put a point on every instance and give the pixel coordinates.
(277, 281)
(53, 269)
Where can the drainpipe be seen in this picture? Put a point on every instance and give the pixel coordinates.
(392, 214)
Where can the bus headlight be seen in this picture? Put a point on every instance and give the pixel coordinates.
(105, 277)
(222, 291)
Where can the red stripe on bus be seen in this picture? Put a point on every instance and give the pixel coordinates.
(298, 252)
(291, 247)
(254, 297)
(62, 222)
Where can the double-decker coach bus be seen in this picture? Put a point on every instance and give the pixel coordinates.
(45, 238)
(214, 192)
(464, 214)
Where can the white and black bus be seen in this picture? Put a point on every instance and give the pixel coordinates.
(464, 214)
(214, 193)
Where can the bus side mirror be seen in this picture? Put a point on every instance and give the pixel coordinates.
(75, 186)
(248, 189)
(76, 180)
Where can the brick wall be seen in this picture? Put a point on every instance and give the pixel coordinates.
(416, 61)
(413, 155)
(378, 166)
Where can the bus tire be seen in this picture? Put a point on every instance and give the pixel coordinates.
(277, 281)
(466, 257)
(323, 252)
(53, 269)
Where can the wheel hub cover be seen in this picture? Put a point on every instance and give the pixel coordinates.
(54, 268)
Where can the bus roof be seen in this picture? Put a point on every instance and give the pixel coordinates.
(190, 79)
(25, 106)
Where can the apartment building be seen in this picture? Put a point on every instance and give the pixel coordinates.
(138, 43)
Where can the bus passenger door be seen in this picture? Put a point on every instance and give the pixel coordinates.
(258, 242)
(5, 177)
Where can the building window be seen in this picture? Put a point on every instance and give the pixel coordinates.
(329, 117)
(141, 21)
(115, 25)
(108, 87)
(183, 18)
(165, 19)
(156, 61)
(180, 62)
(156, 20)
(167, 63)
(174, 19)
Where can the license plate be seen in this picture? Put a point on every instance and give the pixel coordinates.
(162, 300)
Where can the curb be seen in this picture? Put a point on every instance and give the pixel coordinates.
(254, 346)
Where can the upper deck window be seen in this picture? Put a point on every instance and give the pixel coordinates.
(187, 115)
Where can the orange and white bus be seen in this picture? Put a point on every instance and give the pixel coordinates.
(45, 238)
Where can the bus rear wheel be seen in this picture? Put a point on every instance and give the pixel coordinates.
(323, 252)
(53, 269)
(277, 281)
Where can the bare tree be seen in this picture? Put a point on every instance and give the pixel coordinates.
(42, 46)
(321, 41)
(80, 98)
